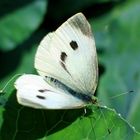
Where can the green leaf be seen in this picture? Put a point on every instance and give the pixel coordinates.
(98, 126)
(98, 123)
(19, 23)
(117, 36)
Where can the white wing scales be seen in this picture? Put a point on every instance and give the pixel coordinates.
(70, 55)
(33, 91)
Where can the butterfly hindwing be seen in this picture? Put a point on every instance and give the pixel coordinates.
(34, 92)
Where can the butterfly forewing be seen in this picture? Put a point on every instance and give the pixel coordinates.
(69, 55)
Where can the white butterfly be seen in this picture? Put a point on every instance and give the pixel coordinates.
(66, 61)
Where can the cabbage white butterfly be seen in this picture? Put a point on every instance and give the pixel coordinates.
(66, 61)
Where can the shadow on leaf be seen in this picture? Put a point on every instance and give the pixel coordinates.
(26, 123)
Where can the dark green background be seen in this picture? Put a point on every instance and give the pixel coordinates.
(116, 28)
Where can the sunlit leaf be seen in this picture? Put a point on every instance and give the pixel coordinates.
(117, 35)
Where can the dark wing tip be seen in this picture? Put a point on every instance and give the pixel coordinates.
(80, 22)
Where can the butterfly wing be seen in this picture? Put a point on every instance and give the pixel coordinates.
(34, 92)
(69, 55)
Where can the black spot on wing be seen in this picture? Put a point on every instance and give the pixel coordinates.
(63, 56)
(40, 97)
(74, 45)
(65, 68)
(63, 65)
(43, 90)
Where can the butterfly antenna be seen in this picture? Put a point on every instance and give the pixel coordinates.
(131, 91)
(2, 90)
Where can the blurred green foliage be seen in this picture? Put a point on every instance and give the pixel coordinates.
(115, 25)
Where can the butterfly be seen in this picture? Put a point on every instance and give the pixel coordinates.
(66, 61)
